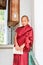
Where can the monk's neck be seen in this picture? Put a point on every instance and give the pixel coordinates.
(26, 25)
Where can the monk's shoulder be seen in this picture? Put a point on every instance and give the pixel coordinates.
(30, 27)
(18, 28)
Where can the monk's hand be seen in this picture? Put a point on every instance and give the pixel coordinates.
(17, 47)
(21, 47)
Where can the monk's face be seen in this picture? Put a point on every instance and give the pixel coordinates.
(24, 21)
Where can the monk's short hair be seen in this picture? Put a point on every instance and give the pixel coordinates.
(25, 16)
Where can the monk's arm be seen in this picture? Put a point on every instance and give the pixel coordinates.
(22, 46)
(29, 41)
(15, 42)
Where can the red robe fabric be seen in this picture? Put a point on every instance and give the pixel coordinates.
(24, 35)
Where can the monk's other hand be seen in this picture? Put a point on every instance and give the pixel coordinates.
(17, 47)
(21, 47)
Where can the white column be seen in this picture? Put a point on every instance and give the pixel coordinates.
(38, 29)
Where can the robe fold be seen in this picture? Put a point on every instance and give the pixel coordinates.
(24, 35)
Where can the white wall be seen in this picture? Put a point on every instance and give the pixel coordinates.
(6, 56)
(38, 13)
(26, 9)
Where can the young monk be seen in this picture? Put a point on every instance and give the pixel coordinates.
(23, 41)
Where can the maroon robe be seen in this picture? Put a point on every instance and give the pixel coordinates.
(24, 35)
